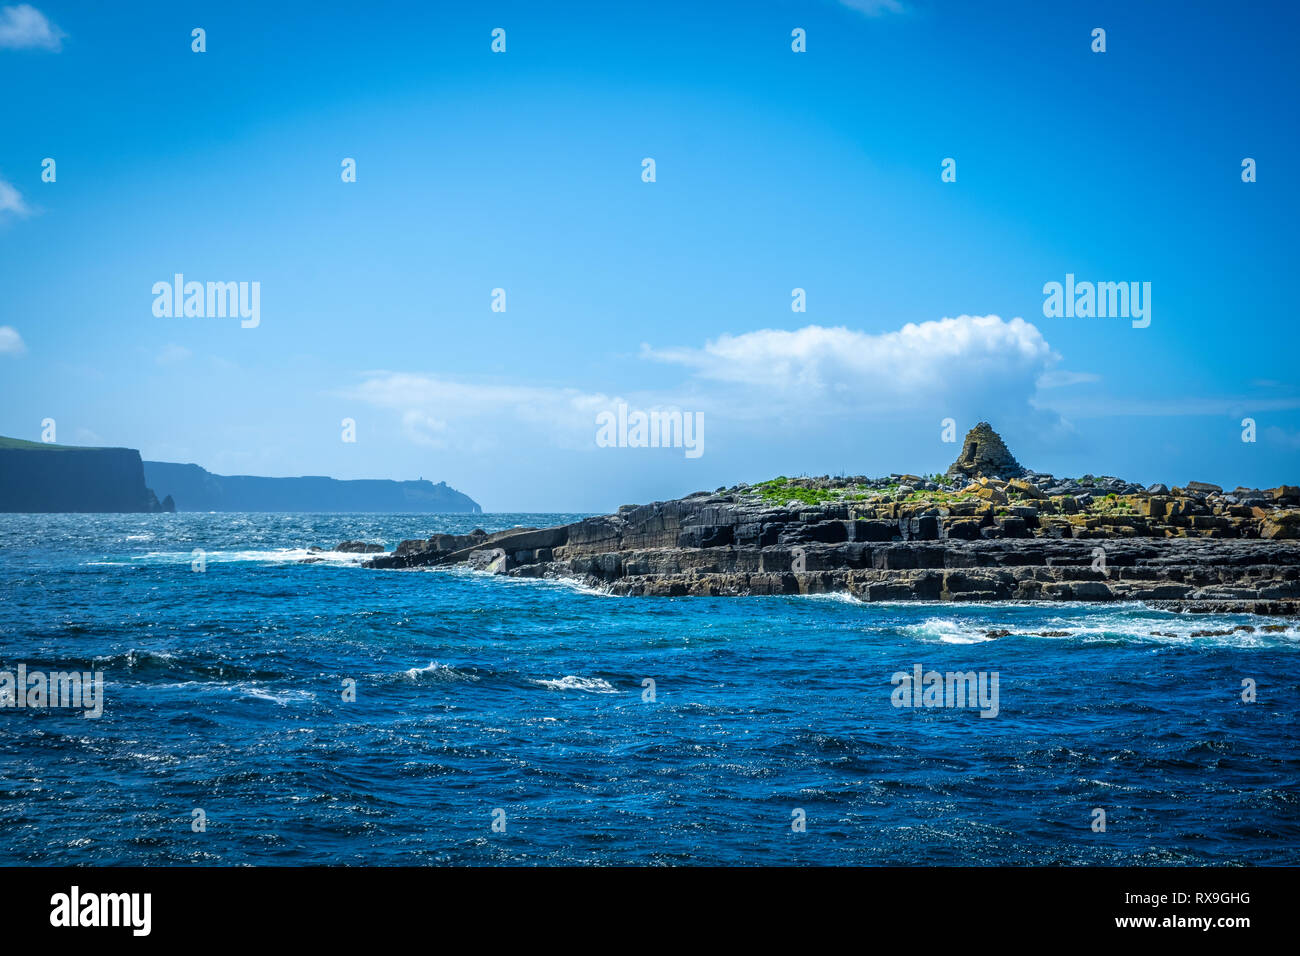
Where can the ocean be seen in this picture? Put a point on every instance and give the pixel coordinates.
(269, 711)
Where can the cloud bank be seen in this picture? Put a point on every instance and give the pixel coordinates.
(967, 358)
(874, 8)
(969, 364)
(11, 200)
(25, 28)
(11, 343)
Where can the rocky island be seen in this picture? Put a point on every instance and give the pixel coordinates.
(987, 530)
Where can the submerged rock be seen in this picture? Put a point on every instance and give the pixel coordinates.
(359, 547)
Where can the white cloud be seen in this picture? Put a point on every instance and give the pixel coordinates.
(446, 414)
(11, 200)
(1174, 406)
(171, 352)
(11, 343)
(964, 359)
(874, 8)
(1282, 436)
(25, 28)
(770, 400)
(1060, 378)
(807, 379)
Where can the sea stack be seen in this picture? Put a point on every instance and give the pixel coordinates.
(985, 455)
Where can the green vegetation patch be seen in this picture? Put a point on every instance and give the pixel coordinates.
(779, 491)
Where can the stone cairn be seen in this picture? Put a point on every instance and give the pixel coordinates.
(985, 455)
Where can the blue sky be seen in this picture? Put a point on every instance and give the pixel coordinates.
(775, 170)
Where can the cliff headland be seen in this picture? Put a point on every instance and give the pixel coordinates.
(196, 489)
(39, 477)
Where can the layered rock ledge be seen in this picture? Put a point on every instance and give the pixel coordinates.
(908, 538)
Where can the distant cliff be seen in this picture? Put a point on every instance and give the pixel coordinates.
(196, 489)
(36, 477)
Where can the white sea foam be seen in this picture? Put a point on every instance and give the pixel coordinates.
(592, 685)
(948, 630)
(273, 556)
(568, 584)
(1106, 624)
(241, 689)
(434, 671)
(283, 698)
(131, 657)
(839, 597)
(573, 584)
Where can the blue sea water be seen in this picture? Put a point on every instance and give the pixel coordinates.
(482, 698)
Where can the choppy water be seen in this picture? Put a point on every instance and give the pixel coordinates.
(224, 692)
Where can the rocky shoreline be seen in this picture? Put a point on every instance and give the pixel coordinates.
(965, 536)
